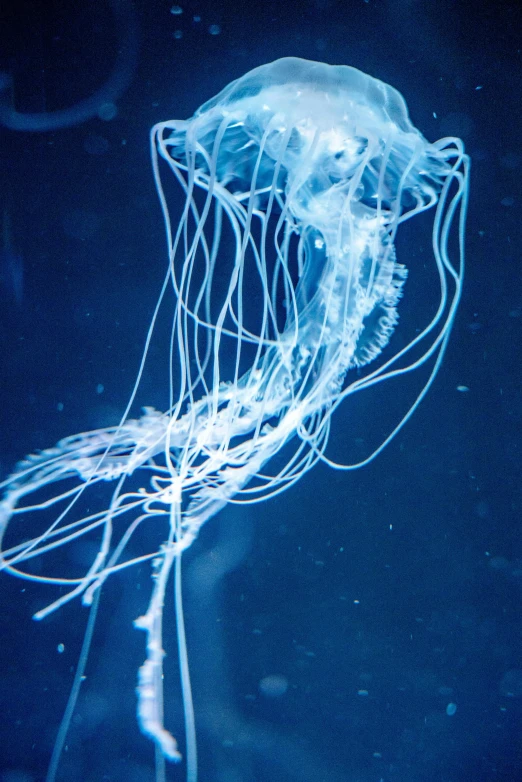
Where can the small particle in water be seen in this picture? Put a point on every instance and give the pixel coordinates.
(60, 648)
(100, 388)
(60, 406)
(463, 389)
(273, 686)
(107, 111)
(482, 510)
(479, 87)
(177, 10)
(178, 34)
(511, 684)
(214, 29)
(499, 563)
(451, 708)
(363, 693)
(508, 201)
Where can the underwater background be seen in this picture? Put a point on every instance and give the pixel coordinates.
(361, 627)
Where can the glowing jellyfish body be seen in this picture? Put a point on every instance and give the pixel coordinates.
(282, 263)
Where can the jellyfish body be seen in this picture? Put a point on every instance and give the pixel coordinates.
(284, 273)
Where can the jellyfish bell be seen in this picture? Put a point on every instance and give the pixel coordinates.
(284, 276)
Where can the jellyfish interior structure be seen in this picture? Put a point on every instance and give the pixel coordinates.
(282, 277)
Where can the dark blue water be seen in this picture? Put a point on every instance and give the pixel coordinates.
(381, 599)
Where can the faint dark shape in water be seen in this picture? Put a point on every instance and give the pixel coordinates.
(100, 103)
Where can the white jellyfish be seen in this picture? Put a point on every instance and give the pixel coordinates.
(296, 179)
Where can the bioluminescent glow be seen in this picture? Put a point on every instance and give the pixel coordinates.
(282, 277)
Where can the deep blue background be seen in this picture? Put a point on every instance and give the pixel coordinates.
(438, 618)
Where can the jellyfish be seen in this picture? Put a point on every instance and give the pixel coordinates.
(281, 288)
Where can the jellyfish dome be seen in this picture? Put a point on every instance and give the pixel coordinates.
(282, 277)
